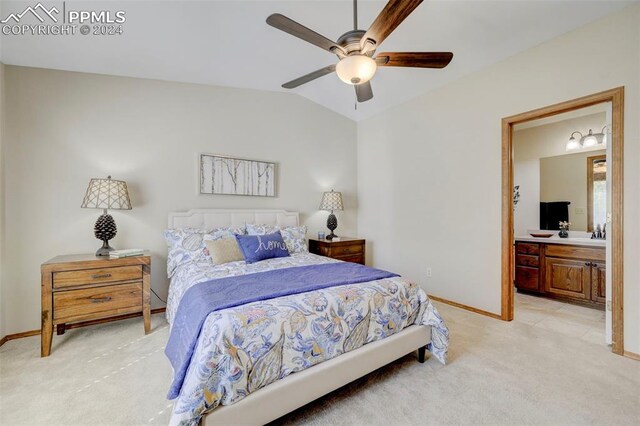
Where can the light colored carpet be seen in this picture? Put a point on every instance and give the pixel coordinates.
(499, 373)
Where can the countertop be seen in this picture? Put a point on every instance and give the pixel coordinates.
(579, 241)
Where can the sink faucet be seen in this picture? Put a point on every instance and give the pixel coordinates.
(599, 233)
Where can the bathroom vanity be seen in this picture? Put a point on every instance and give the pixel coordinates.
(569, 269)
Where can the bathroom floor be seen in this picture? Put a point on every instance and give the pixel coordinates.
(573, 320)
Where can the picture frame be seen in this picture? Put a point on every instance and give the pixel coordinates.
(225, 175)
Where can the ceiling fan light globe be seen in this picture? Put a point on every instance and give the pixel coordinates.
(356, 69)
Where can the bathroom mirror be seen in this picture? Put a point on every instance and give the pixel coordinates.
(573, 185)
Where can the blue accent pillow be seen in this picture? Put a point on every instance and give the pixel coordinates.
(260, 247)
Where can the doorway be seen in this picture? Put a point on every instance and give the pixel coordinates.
(614, 220)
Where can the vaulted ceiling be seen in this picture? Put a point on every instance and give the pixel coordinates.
(228, 43)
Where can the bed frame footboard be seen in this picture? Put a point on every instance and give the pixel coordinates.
(294, 391)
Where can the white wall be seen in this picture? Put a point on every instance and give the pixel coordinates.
(65, 128)
(2, 227)
(429, 170)
(532, 144)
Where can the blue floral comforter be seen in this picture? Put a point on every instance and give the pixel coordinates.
(244, 348)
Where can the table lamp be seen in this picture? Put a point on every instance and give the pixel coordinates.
(331, 201)
(106, 194)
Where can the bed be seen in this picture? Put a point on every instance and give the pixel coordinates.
(252, 363)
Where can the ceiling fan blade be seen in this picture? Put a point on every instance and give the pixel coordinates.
(308, 77)
(290, 26)
(388, 20)
(364, 91)
(414, 59)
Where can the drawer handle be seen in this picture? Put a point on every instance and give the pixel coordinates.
(96, 276)
(101, 299)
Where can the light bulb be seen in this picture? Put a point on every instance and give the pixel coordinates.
(572, 144)
(589, 140)
(356, 69)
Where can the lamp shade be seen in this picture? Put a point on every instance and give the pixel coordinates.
(107, 194)
(331, 201)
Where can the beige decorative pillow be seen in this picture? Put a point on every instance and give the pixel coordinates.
(224, 250)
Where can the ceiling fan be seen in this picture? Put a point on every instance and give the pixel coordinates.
(356, 48)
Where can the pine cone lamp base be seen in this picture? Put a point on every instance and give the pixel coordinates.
(105, 229)
(105, 249)
(332, 224)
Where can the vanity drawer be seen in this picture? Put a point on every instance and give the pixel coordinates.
(527, 260)
(527, 278)
(96, 276)
(575, 252)
(527, 248)
(97, 302)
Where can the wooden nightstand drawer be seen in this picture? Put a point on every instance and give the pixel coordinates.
(357, 258)
(91, 303)
(346, 249)
(96, 276)
(350, 250)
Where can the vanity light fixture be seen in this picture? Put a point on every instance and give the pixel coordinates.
(587, 141)
(573, 142)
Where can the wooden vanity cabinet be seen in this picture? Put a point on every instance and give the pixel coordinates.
(567, 278)
(568, 272)
(598, 280)
(528, 266)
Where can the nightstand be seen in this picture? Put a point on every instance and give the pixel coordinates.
(77, 288)
(347, 249)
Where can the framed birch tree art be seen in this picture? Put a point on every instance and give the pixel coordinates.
(236, 176)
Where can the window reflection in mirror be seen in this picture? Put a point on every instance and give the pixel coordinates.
(596, 191)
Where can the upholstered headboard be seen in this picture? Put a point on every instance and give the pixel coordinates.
(214, 218)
